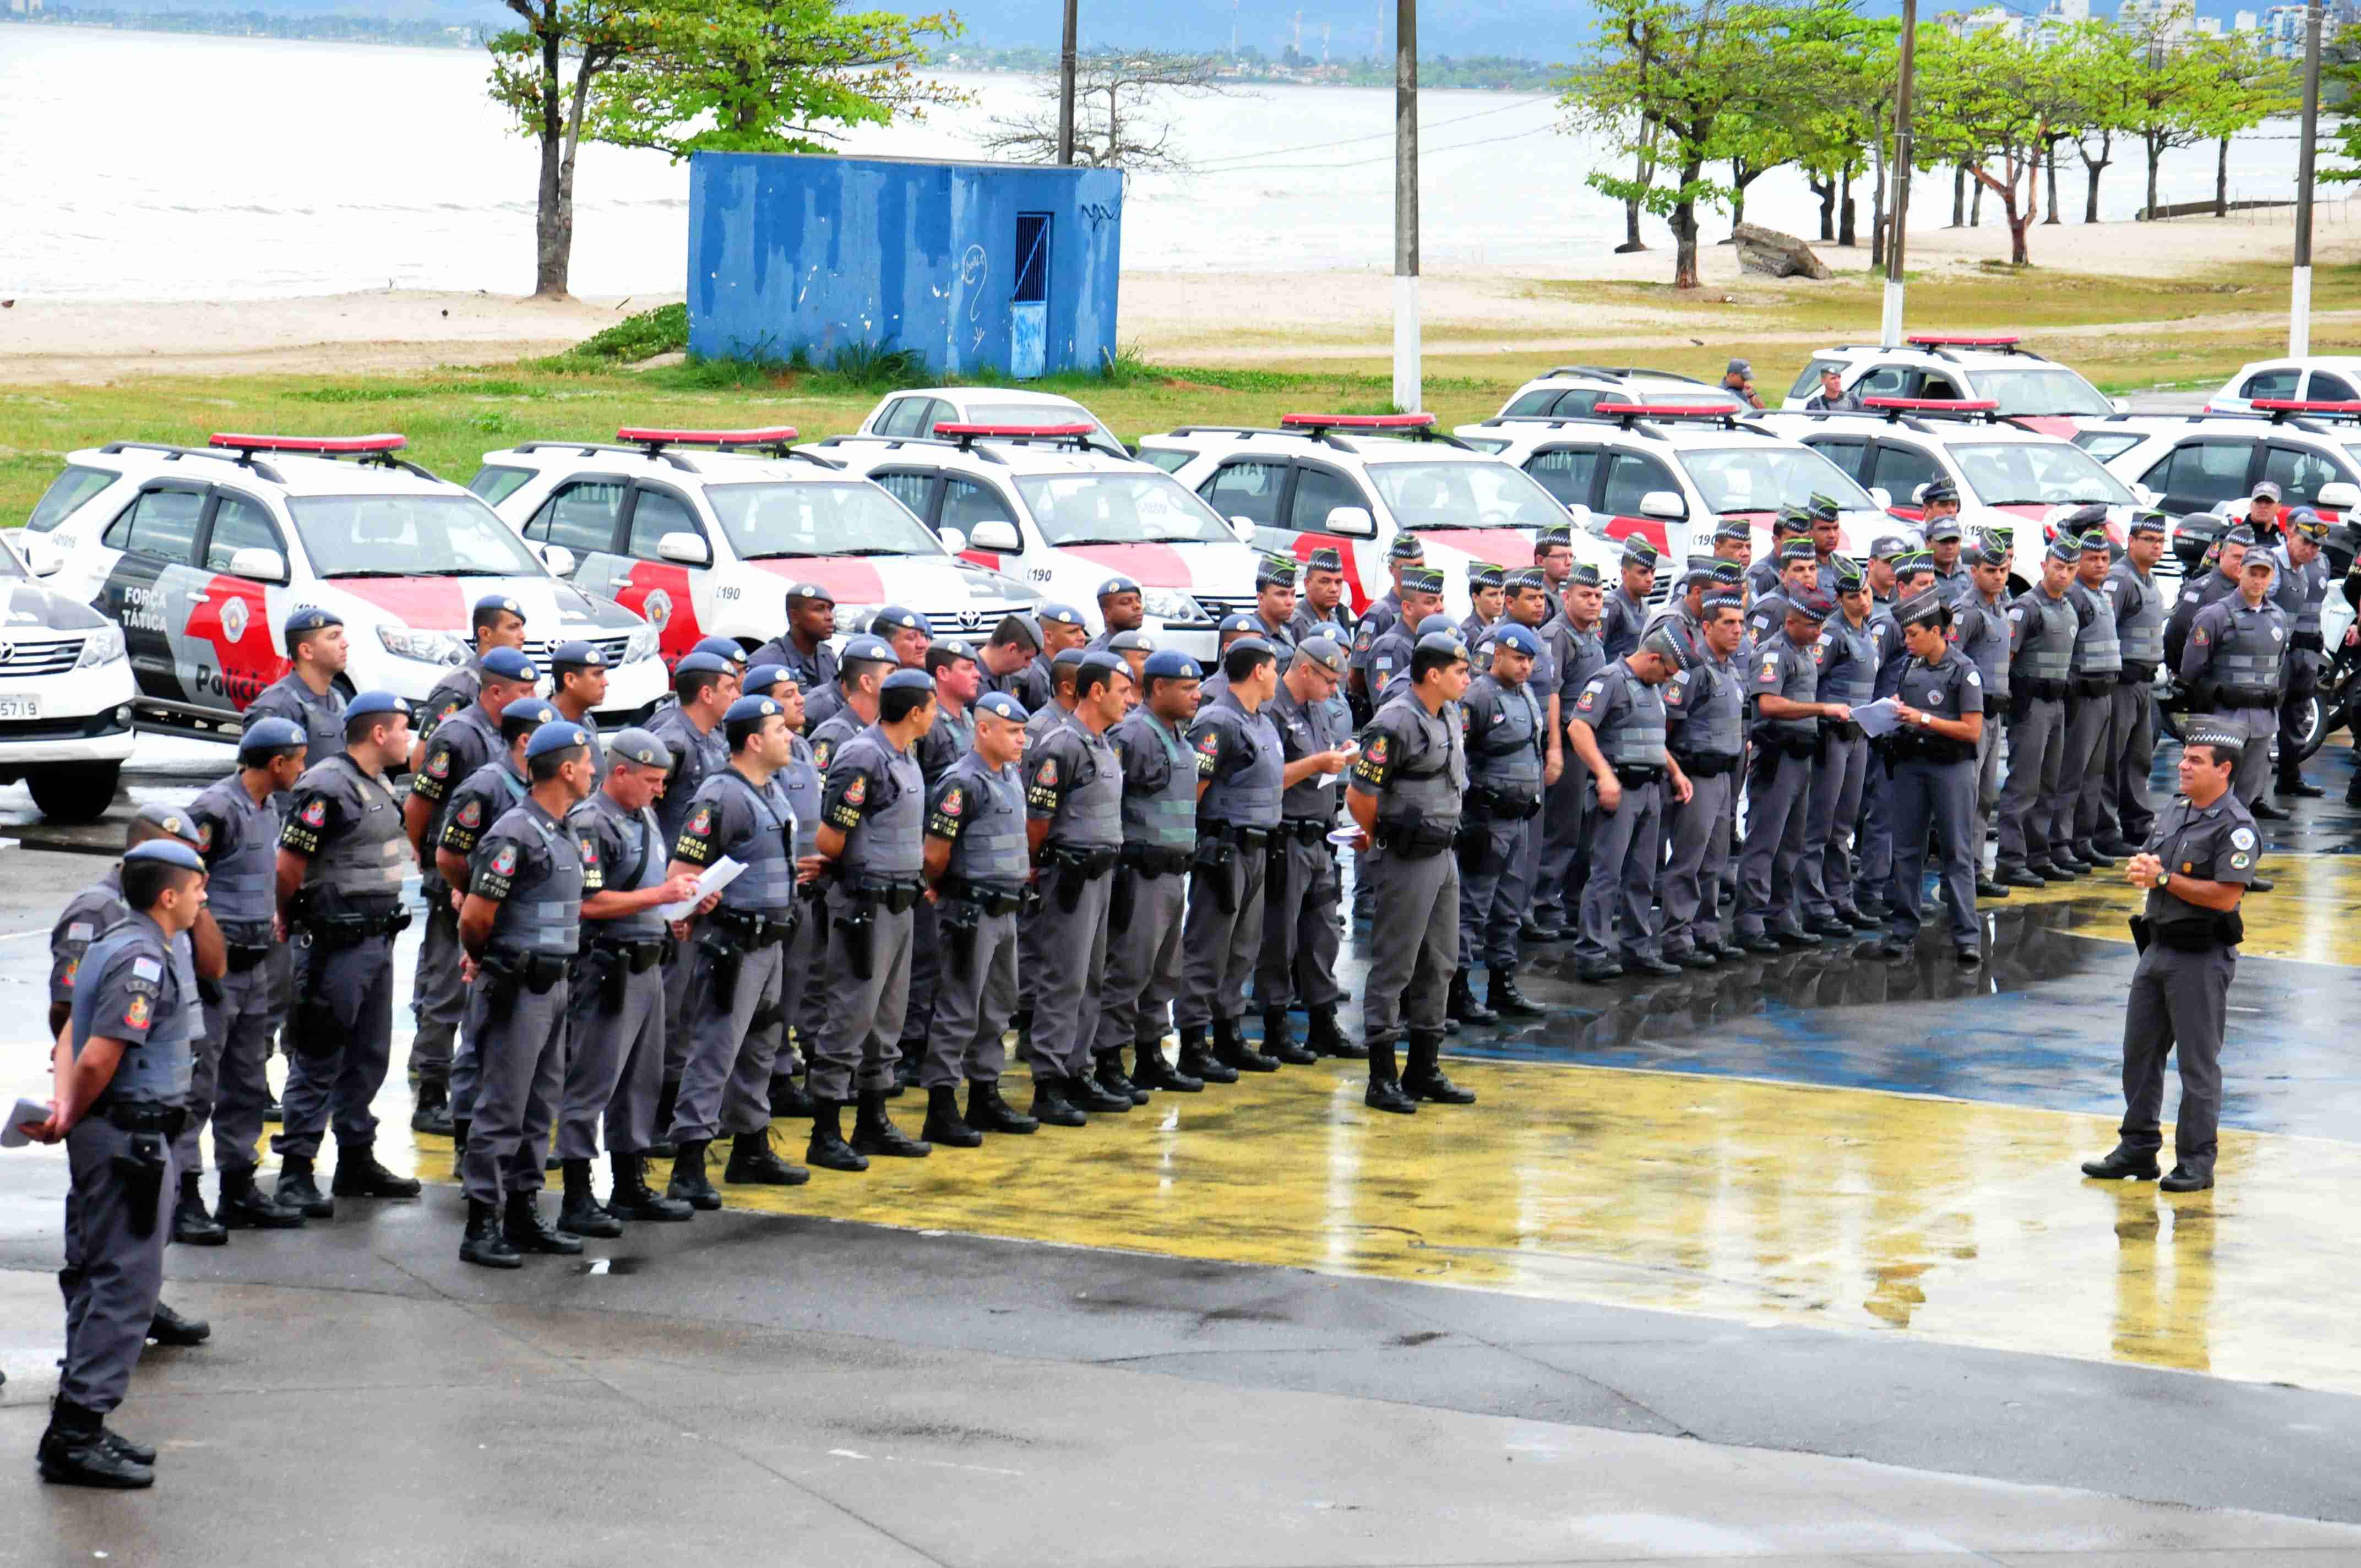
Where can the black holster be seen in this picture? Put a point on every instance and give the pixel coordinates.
(957, 920)
(859, 930)
(317, 1032)
(723, 958)
(1212, 862)
(141, 1168)
(1122, 897)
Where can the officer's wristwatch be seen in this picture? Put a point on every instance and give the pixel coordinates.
(2163, 879)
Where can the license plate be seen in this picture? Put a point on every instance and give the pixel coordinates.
(20, 707)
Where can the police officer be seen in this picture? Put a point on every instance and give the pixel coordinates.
(1505, 734)
(977, 864)
(1073, 804)
(1405, 795)
(307, 695)
(1572, 653)
(1982, 630)
(860, 681)
(1618, 728)
(1625, 615)
(1705, 718)
(1787, 523)
(1381, 652)
(1939, 701)
(1733, 541)
(1487, 595)
(236, 825)
(1850, 658)
(1231, 630)
(1160, 787)
(615, 1058)
(1135, 647)
(2042, 626)
(1945, 540)
(1883, 551)
(691, 729)
(802, 649)
(2235, 664)
(342, 855)
(794, 993)
(1298, 963)
(2126, 814)
(1799, 574)
(1274, 611)
(2096, 671)
(2299, 587)
(1830, 397)
(1404, 554)
(1553, 558)
(950, 662)
(577, 687)
(2227, 558)
(1008, 659)
(497, 622)
(2195, 868)
(521, 927)
(1121, 609)
(122, 1085)
(872, 837)
(1784, 688)
(1873, 859)
(1322, 609)
(1061, 627)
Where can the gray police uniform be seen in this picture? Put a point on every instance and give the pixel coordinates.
(88, 915)
(697, 755)
(533, 866)
(321, 718)
(814, 671)
(482, 798)
(1874, 856)
(462, 742)
(1239, 755)
(1298, 963)
(2238, 654)
(139, 987)
(2180, 998)
(1956, 584)
(950, 738)
(239, 840)
(2298, 591)
(346, 825)
(1074, 783)
(1621, 620)
(2125, 808)
(739, 949)
(1562, 833)
(1982, 630)
(979, 811)
(457, 690)
(1778, 790)
(2194, 598)
(2041, 661)
(1935, 788)
(1144, 917)
(1705, 718)
(796, 998)
(1627, 715)
(1849, 662)
(876, 797)
(1413, 763)
(1337, 624)
(1503, 728)
(2096, 671)
(614, 1065)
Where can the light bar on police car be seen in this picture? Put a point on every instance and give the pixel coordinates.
(2293, 406)
(317, 445)
(1722, 412)
(772, 435)
(1357, 421)
(1932, 405)
(1962, 340)
(955, 430)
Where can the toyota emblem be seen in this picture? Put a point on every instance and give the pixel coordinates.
(7, 650)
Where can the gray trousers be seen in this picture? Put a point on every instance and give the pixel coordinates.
(614, 1066)
(1838, 775)
(1560, 860)
(678, 976)
(1701, 835)
(720, 1087)
(2253, 774)
(338, 1083)
(228, 1086)
(2125, 808)
(1298, 963)
(438, 997)
(2035, 741)
(860, 1040)
(1626, 845)
(2081, 765)
(975, 995)
(1493, 894)
(1143, 964)
(1941, 797)
(1415, 947)
(521, 1076)
(1069, 974)
(2179, 1004)
(1875, 843)
(112, 1275)
(1778, 800)
(1218, 947)
(799, 995)
(925, 948)
(1987, 772)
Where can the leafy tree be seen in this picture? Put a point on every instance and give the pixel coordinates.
(1112, 126)
(529, 77)
(2244, 87)
(1987, 100)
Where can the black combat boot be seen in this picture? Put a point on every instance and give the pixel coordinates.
(1051, 1104)
(1510, 1002)
(298, 1191)
(431, 1114)
(75, 1452)
(528, 1231)
(1462, 1005)
(988, 1112)
(138, 1452)
(689, 1182)
(827, 1148)
(1385, 1090)
(1423, 1079)
(168, 1327)
(667, 1100)
(789, 1098)
(1199, 1063)
(581, 1214)
(192, 1224)
(1230, 1046)
(1106, 1071)
(633, 1200)
(2292, 786)
(483, 1243)
(754, 1163)
(1323, 1038)
(1150, 1070)
(358, 1174)
(2122, 1163)
(873, 1132)
(246, 1207)
(1279, 1040)
(1086, 1093)
(458, 1143)
(944, 1125)
(1022, 1022)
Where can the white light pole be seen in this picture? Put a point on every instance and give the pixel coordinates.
(1890, 328)
(1406, 351)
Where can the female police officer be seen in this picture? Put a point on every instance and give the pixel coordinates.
(1941, 703)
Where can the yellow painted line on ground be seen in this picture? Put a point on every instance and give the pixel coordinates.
(2313, 915)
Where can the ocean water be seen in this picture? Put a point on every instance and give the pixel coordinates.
(160, 167)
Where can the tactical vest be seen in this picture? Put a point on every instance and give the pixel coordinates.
(1849, 664)
(1248, 797)
(159, 1073)
(1636, 740)
(1165, 817)
(890, 840)
(1429, 780)
(1304, 730)
(322, 717)
(1799, 681)
(2097, 649)
(243, 887)
(831, 735)
(698, 755)
(800, 781)
(1716, 720)
(1090, 813)
(369, 857)
(956, 739)
(2298, 591)
(542, 914)
(991, 848)
(767, 886)
(1927, 688)
(475, 740)
(2250, 655)
(1506, 756)
(645, 862)
(2047, 652)
(2141, 633)
(1984, 639)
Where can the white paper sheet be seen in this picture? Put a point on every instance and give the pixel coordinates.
(716, 877)
(1877, 717)
(12, 1135)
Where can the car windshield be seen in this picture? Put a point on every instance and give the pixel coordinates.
(768, 521)
(1463, 495)
(1764, 478)
(1120, 508)
(11, 568)
(1040, 413)
(2051, 390)
(409, 536)
(2037, 473)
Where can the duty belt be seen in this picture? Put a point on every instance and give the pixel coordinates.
(249, 943)
(2136, 675)
(1237, 833)
(756, 932)
(895, 892)
(993, 898)
(1306, 829)
(351, 931)
(2245, 696)
(1089, 861)
(141, 1116)
(1416, 840)
(2308, 642)
(2099, 684)
(2039, 690)
(1635, 774)
(1492, 804)
(1157, 860)
(1707, 764)
(640, 956)
(537, 972)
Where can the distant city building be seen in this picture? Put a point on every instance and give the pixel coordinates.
(2209, 27)
(2245, 22)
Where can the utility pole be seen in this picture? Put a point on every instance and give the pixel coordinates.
(1890, 329)
(1406, 352)
(1066, 87)
(2300, 292)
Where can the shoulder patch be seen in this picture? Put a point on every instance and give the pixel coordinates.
(2241, 861)
(147, 969)
(1048, 778)
(1377, 752)
(504, 861)
(2242, 838)
(472, 813)
(316, 814)
(439, 764)
(820, 754)
(857, 791)
(136, 1016)
(1975, 677)
(1210, 743)
(702, 823)
(205, 829)
(954, 801)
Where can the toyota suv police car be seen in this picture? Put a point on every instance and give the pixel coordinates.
(1351, 482)
(201, 553)
(2019, 384)
(2195, 462)
(703, 531)
(65, 697)
(1572, 391)
(914, 414)
(1048, 505)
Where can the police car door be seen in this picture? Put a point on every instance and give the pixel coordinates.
(152, 585)
(585, 514)
(1316, 491)
(666, 569)
(228, 647)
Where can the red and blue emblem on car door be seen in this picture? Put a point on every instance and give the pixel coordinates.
(228, 650)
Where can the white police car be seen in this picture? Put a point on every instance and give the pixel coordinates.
(1989, 367)
(703, 531)
(1573, 392)
(201, 553)
(917, 412)
(65, 697)
(2211, 462)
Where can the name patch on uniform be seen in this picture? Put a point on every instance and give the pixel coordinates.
(136, 1016)
(147, 969)
(504, 861)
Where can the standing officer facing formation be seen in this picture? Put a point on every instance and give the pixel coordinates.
(1298, 963)
(1505, 740)
(1940, 702)
(1160, 787)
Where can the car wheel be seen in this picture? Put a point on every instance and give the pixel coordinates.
(75, 792)
(2315, 726)
(2167, 721)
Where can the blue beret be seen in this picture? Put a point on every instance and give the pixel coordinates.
(171, 851)
(893, 618)
(701, 663)
(636, 745)
(500, 604)
(721, 648)
(1000, 705)
(1254, 645)
(170, 818)
(1063, 614)
(510, 665)
(763, 678)
(267, 735)
(908, 680)
(748, 709)
(1133, 640)
(1238, 622)
(1171, 664)
(371, 702)
(865, 649)
(1442, 624)
(310, 620)
(576, 656)
(534, 710)
(1519, 639)
(555, 736)
(810, 591)
(1117, 585)
(1065, 656)
(1324, 651)
(1437, 642)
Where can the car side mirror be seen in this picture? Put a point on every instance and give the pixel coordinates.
(2121, 405)
(1243, 528)
(1583, 518)
(1664, 504)
(558, 559)
(2338, 496)
(1918, 495)
(1882, 497)
(1353, 523)
(256, 565)
(2143, 495)
(997, 535)
(686, 548)
(42, 557)
(953, 539)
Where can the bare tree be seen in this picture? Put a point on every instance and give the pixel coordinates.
(1114, 123)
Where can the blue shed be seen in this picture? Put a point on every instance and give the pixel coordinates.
(975, 266)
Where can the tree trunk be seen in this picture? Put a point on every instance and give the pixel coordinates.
(554, 205)
(1845, 233)
(1685, 230)
(2019, 256)
(1877, 210)
(1826, 189)
(1960, 197)
(2052, 161)
(2222, 180)
(1976, 205)
(2090, 204)
(1643, 170)
(2155, 157)
(1737, 179)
